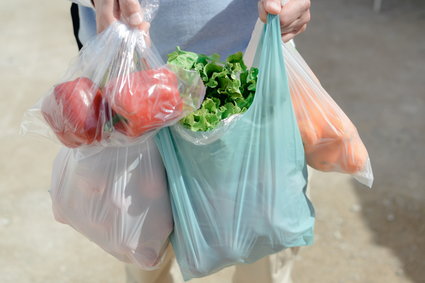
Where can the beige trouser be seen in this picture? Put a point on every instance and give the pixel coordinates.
(275, 268)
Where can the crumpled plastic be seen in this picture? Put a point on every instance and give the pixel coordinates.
(117, 92)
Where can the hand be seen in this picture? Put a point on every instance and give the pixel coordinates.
(127, 11)
(294, 15)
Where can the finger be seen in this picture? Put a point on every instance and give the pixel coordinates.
(132, 13)
(288, 36)
(145, 28)
(297, 24)
(262, 14)
(272, 6)
(292, 11)
(268, 7)
(105, 13)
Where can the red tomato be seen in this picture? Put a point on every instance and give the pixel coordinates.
(72, 111)
(144, 100)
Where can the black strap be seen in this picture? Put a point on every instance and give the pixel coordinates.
(76, 23)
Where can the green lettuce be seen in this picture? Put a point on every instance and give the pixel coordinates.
(230, 87)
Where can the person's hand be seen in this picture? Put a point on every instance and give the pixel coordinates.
(127, 11)
(294, 15)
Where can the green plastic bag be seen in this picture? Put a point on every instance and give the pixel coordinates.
(238, 192)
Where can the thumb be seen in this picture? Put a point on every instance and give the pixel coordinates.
(272, 6)
(131, 14)
(106, 12)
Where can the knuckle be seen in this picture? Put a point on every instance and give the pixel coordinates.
(130, 5)
(307, 4)
(261, 12)
(287, 37)
(308, 17)
(284, 19)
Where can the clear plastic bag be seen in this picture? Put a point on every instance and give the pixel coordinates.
(238, 192)
(331, 141)
(117, 92)
(117, 197)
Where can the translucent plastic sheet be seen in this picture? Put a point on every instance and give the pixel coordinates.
(117, 92)
(331, 141)
(110, 183)
(241, 195)
(117, 197)
(203, 138)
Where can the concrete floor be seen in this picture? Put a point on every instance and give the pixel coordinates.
(372, 64)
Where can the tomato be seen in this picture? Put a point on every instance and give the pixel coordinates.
(144, 100)
(72, 111)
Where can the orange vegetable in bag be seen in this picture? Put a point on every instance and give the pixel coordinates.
(329, 137)
(324, 156)
(355, 156)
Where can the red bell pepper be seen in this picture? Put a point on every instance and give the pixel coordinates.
(72, 111)
(144, 100)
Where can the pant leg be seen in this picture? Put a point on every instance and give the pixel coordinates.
(275, 268)
(161, 275)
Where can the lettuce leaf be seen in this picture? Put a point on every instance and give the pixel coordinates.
(230, 87)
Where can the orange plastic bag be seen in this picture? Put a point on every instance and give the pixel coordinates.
(331, 141)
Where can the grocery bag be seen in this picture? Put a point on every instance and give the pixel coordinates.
(331, 141)
(117, 197)
(118, 91)
(238, 193)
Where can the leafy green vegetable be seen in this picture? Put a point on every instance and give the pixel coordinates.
(230, 87)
